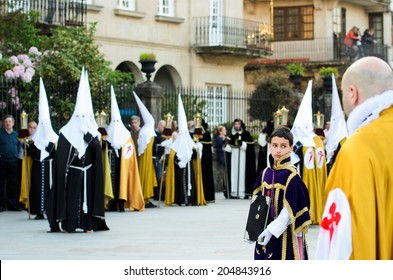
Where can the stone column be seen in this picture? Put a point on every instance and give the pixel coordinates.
(151, 95)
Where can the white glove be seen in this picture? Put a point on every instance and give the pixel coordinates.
(248, 241)
(264, 237)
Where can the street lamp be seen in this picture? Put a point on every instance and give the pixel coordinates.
(167, 132)
(284, 116)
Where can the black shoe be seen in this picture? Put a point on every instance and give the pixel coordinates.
(55, 228)
(39, 217)
(121, 206)
(246, 197)
(233, 197)
(1, 208)
(150, 205)
(13, 208)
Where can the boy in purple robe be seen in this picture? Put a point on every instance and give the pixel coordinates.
(289, 215)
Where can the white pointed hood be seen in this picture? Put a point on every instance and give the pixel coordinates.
(184, 143)
(82, 120)
(44, 132)
(302, 128)
(338, 126)
(118, 134)
(147, 131)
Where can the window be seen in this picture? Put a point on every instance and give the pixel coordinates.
(216, 109)
(375, 21)
(126, 4)
(293, 23)
(166, 8)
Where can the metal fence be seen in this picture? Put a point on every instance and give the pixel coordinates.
(216, 107)
(57, 12)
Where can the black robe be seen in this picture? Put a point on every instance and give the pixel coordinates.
(67, 195)
(40, 179)
(182, 177)
(115, 204)
(250, 171)
(207, 167)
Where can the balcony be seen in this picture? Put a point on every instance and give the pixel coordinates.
(323, 49)
(237, 37)
(51, 12)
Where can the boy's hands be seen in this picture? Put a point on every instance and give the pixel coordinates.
(264, 237)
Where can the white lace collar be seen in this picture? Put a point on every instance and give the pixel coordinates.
(369, 110)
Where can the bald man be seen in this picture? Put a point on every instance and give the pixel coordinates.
(357, 222)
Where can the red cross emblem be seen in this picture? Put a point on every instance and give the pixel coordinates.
(330, 224)
(320, 154)
(128, 150)
(311, 156)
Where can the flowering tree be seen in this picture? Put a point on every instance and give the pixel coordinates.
(26, 55)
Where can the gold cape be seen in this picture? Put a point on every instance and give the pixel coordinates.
(364, 172)
(170, 180)
(130, 188)
(108, 191)
(147, 171)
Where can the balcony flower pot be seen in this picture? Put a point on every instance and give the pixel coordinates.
(147, 60)
(295, 79)
(326, 75)
(296, 72)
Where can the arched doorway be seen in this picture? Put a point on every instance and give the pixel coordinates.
(168, 77)
(130, 67)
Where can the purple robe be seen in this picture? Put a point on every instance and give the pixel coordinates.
(288, 190)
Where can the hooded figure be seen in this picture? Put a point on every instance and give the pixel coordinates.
(41, 149)
(188, 184)
(77, 196)
(338, 132)
(242, 165)
(309, 148)
(145, 140)
(126, 182)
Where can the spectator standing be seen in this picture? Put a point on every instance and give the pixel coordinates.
(353, 41)
(368, 42)
(9, 149)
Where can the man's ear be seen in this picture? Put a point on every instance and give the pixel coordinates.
(353, 95)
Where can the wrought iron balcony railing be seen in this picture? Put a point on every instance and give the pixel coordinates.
(325, 49)
(231, 32)
(57, 12)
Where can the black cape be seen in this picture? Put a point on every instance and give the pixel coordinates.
(67, 195)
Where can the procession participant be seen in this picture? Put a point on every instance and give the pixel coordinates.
(77, 197)
(126, 182)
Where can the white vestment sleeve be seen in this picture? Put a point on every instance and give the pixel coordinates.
(279, 225)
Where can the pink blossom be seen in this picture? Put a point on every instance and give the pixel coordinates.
(3, 105)
(26, 77)
(9, 74)
(31, 71)
(22, 57)
(18, 106)
(34, 50)
(15, 100)
(14, 60)
(18, 70)
(27, 63)
(13, 92)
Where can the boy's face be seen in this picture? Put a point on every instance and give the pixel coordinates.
(279, 146)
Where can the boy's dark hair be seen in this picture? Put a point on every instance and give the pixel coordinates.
(283, 132)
